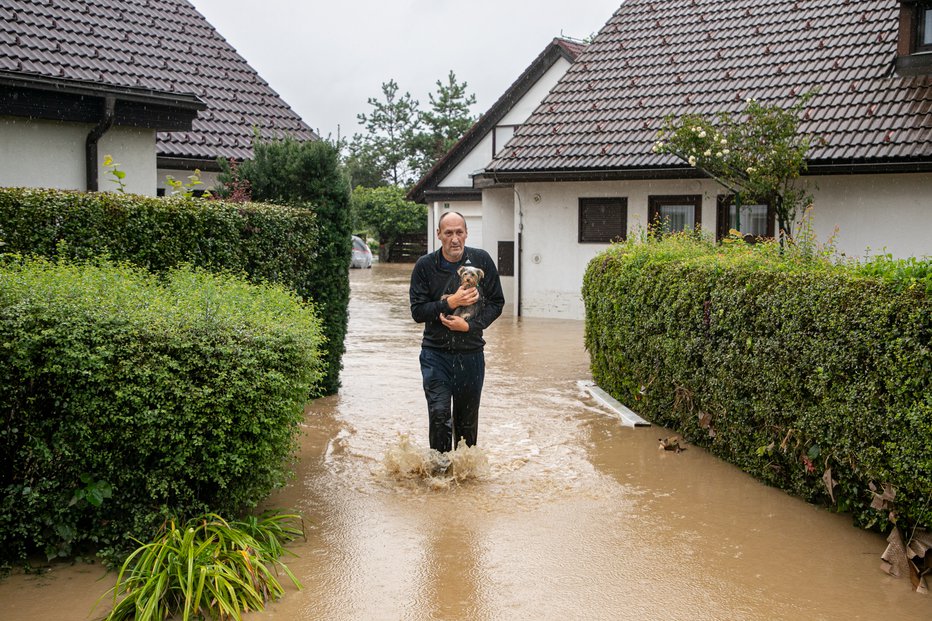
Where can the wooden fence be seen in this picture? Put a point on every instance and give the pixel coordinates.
(406, 248)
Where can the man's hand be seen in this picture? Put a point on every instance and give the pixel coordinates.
(452, 322)
(464, 296)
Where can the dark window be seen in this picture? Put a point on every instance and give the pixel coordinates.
(603, 220)
(160, 192)
(914, 40)
(506, 258)
(755, 219)
(672, 214)
(924, 28)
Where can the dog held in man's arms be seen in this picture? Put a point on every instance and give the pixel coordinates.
(469, 277)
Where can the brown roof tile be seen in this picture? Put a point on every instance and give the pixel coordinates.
(163, 45)
(653, 59)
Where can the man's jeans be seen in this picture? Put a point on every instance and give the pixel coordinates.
(455, 377)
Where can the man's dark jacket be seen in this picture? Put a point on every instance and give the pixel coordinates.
(429, 282)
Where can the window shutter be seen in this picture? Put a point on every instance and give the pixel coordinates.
(603, 220)
(506, 258)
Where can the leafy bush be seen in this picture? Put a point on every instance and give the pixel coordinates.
(265, 242)
(125, 399)
(813, 376)
(385, 211)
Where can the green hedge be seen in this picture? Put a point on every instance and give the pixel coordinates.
(269, 243)
(126, 398)
(794, 369)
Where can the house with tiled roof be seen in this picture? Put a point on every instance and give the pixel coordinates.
(448, 185)
(581, 170)
(150, 82)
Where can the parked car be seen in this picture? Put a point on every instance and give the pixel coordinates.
(362, 256)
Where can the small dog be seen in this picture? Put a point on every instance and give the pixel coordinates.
(469, 277)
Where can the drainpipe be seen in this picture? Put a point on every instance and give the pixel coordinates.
(432, 227)
(519, 272)
(90, 145)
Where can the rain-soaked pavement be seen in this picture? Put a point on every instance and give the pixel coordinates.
(563, 514)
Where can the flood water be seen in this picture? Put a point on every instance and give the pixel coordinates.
(562, 514)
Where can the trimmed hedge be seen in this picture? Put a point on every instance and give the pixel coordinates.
(797, 370)
(126, 398)
(268, 243)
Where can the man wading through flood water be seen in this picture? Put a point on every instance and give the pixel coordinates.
(452, 358)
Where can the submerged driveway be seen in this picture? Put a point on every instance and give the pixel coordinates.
(575, 516)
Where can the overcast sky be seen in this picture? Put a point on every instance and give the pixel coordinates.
(326, 58)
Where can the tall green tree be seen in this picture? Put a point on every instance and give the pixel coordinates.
(308, 174)
(386, 147)
(447, 120)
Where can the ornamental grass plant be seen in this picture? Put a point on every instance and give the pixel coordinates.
(205, 568)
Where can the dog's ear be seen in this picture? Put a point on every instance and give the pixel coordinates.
(481, 273)
(460, 271)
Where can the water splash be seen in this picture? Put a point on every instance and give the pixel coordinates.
(406, 461)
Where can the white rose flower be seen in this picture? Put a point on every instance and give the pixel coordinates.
(692, 160)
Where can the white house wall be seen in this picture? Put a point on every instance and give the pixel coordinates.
(134, 150)
(481, 154)
(498, 224)
(461, 175)
(880, 211)
(471, 210)
(886, 213)
(49, 154)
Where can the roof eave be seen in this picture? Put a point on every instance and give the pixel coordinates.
(72, 101)
(184, 101)
(491, 178)
(452, 194)
(187, 163)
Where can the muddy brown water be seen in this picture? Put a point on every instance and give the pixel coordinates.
(562, 514)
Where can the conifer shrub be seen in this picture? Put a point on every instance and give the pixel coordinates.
(812, 375)
(307, 175)
(127, 398)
